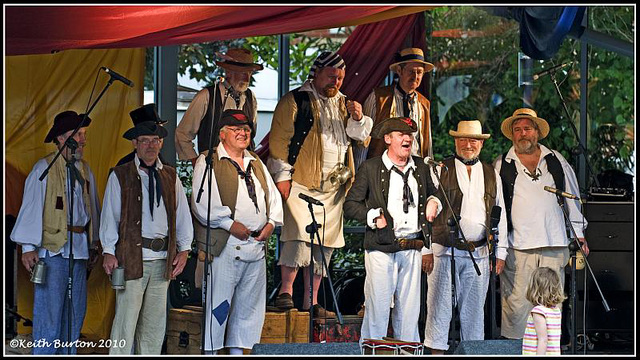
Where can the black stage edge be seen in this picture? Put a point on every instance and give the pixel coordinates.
(337, 348)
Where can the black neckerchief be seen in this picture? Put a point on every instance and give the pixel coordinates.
(407, 196)
(251, 187)
(407, 101)
(153, 173)
(467, 162)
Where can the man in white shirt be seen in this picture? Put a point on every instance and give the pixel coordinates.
(245, 208)
(201, 117)
(394, 195)
(536, 224)
(147, 230)
(474, 189)
(45, 232)
(309, 143)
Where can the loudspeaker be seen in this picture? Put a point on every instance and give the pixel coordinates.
(490, 347)
(344, 348)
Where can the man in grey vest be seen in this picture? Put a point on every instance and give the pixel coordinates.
(245, 208)
(473, 188)
(204, 111)
(536, 225)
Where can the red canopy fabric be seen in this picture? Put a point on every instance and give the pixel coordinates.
(46, 29)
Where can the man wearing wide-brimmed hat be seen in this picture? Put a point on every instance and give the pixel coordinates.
(147, 230)
(536, 225)
(473, 188)
(45, 231)
(144, 113)
(310, 144)
(403, 99)
(201, 117)
(394, 196)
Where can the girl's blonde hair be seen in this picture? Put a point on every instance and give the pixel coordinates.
(545, 288)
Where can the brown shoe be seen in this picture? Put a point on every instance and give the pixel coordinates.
(283, 302)
(320, 312)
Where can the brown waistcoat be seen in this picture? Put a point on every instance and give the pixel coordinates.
(129, 245)
(449, 182)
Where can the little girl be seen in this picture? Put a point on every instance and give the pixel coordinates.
(542, 335)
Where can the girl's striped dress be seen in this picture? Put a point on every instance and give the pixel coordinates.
(553, 315)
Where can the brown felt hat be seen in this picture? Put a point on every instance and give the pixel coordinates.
(238, 60)
(403, 124)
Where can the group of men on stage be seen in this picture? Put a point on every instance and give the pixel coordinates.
(147, 224)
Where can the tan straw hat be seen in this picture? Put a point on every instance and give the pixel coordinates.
(524, 113)
(469, 129)
(410, 55)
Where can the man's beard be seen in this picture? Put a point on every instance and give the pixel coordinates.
(525, 146)
(330, 91)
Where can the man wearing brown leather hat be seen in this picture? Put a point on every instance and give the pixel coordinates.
(45, 230)
(147, 230)
(536, 225)
(394, 196)
(204, 111)
(474, 189)
(403, 99)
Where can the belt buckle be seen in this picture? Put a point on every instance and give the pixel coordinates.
(157, 244)
(402, 242)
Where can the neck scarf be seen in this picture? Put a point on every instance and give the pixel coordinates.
(248, 179)
(407, 101)
(467, 162)
(153, 174)
(407, 196)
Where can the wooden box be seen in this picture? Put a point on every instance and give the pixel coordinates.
(332, 331)
(291, 326)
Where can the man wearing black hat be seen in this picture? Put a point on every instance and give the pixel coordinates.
(44, 229)
(245, 208)
(394, 195)
(144, 113)
(204, 111)
(147, 230)
(403, 99)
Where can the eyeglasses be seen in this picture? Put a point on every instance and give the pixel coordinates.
(150, 141)
(238, 130)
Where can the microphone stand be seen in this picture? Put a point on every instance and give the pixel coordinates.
(207, 169)
(579, 149)
(312, 229)
(72, 145)
(574, 246)
(493, 232)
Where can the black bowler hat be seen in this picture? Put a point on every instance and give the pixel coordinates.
(144, 113)
(232, 117)
(65, 121)
(403, 124)
(145, 128)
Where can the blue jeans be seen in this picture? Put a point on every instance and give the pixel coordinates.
(50, 306)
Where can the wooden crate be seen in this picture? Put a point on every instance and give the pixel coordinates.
(291, 326)
(332, 331)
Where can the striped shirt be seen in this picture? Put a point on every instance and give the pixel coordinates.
(553, 315)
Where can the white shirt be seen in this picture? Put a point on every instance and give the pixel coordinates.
(473, 212)
(537, 218)
(404, 223)
(397, 109)
(245, 211)
(334, 136)
(156, 227)
(28, 228)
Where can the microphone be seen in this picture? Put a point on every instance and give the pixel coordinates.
(309, 199)
(561, 193)
(550, 70)
(431, 162)
(117, 76)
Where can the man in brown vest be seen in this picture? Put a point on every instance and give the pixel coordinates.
(44, 230)
(473, 188)
(206, 107)
(147, 230)
(403, 99)
(245, 208)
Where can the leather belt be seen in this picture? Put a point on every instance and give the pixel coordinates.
(157, 244)
(411, 242)
(470, 245)
(256, 233)
(76, 229)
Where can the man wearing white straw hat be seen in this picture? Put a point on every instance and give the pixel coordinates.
(473, 188)
(206, 107)
(536, 225)
(403, 99)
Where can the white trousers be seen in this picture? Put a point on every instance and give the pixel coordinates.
(392, 278)
(471, 292)
(236, 301)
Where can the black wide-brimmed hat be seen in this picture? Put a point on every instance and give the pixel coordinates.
(144, 113)
(145, 128)
(65, 121)
(232, 117)
(403, 124)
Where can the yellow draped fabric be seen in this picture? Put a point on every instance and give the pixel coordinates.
(38, 87)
